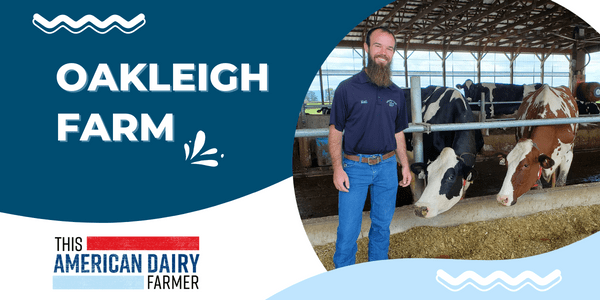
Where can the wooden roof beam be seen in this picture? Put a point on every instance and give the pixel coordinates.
(399, 4)
(458, 48)
(509, 27)
(472, 20)
(451, 15)
(420, 15)
(556, 26)
(523, 11)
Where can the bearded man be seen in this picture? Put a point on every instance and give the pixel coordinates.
(367, 120)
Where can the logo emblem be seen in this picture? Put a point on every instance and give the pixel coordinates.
(88, 21)
(198, 144)
(364, 101)
(391, 103)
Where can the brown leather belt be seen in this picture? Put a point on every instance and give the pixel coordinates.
(371, 159)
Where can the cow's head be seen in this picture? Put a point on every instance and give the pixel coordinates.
(524, 167)
(448, 178)
(468, 83)
(470, 90)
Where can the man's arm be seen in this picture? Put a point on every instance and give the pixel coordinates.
(403, 159)
(340, 178)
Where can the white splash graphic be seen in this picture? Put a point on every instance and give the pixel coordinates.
(76, 27)
(198, 144)
(498, 278)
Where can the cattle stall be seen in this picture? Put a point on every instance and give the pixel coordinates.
(581, 188)
(540, 28)
(499, 140)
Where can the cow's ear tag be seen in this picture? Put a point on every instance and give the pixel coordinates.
(472, 175)
(545, 161)
(420, 169)
(502, 158)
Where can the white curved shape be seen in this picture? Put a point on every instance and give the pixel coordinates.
(208, 163)
(199, 142)
(210, 151)
(498, 283)
(186, 147)
(78, 26)
(89, 18)
(518, 281)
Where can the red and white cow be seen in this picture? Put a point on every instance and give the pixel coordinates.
(540, 150)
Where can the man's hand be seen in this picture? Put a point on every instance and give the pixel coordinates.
(403, 159)
(406, 177)
(340, 180)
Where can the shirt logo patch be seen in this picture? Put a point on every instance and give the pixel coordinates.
(364, 101)
(391, 103)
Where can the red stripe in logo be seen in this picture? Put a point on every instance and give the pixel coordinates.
(143, 243)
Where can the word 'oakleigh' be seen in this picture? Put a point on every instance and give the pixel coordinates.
(186, 77)
(183, 78)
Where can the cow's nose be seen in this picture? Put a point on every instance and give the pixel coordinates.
(503, 200)
(421, 211)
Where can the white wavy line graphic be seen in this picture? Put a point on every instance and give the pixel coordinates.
(518, 282)
(78, 26)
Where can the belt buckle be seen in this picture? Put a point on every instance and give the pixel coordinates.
(377, 160)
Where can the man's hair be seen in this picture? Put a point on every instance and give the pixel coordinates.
(385, 29)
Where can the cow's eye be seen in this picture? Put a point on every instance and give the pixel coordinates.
(526, 165)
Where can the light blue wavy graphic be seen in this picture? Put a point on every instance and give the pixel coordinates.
(76, 27)
(498, 278)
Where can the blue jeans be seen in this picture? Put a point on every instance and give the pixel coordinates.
(382, 181)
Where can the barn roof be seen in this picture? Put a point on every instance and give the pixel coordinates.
(526, 26)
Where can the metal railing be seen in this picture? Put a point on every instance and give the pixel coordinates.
(419, 127)
(306, 106)
(428, 128)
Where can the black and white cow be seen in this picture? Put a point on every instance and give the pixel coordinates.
(325, 110)
(449, 155)
(496, 92)
(587, 108)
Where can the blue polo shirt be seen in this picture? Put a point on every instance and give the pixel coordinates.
(370, 115)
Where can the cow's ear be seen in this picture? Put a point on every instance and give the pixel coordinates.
(419, 168)
(459, 86)
(545, 161)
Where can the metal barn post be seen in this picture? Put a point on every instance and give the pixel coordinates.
(417, 117)
(482, 115)
(511, 59)
(406, 63)
(321, 82)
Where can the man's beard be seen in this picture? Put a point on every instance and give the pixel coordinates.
(379, 75)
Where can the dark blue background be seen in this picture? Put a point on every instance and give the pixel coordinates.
(124, 181)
